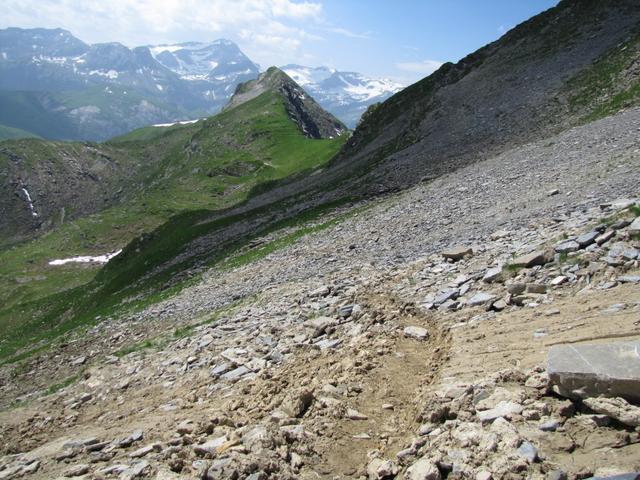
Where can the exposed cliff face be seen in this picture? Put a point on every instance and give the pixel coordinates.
(310, 117)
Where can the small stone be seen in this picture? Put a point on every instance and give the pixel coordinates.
(141, 452)
(629, 279)
(617, 408)
(567, 246)
(530, 260)
(528, 451)
(387, 406)
(236, 374)
(355, 415)
(549, 426)
(587, 239)
(634, 228)
(480, 298)
(556, 475)
(319, 324)
(503, 409)
(379, 469)
(457, 253)
(516, 288)
(345, 311)
(31, 467)
(298, 402)
(492, 275)
(442, 297)
(483, 475)
(418, 333)
(620, 224)
(77, 470)
(536, 288)
(210, 446)
(605, 237)
(423, 469)
(499, 305)
(135, 470)
(559, 280)
(553, 192)
(79, 361)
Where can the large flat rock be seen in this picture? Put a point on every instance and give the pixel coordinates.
(591, 370)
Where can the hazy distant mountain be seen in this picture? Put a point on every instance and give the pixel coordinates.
(345, 94)
(56, 86)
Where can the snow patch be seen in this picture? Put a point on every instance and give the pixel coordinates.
(112, 74)
(182, 122)
(4, 55)
(159, 87)
(86, 259)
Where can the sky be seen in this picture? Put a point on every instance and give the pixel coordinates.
(403, 40)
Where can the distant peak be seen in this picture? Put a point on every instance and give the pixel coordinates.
(311, 118)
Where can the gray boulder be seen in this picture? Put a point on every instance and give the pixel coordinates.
(457, 253)
(567, 246)
(530, 259)
(609, 369)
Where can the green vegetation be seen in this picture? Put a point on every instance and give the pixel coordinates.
(10, 133)
(608, 85)
(63, 384)
(188, 173)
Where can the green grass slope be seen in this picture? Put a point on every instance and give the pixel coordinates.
(189, 172)
(10, 133)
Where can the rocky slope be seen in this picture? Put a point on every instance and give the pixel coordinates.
(566, 66)
(400, 340)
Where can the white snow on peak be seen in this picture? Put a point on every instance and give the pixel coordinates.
(369, 88)
(4, 55)
(344, 87)
(86, 259)
(307, 75)
(182, 122)
(112, 74)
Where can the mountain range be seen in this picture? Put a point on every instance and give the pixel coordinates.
(55, 86)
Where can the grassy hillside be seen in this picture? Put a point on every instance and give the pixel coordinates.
(10, 133)
(25, 110)
(197, 168)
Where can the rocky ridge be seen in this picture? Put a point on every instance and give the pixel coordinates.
(312, 120)
(407, 339)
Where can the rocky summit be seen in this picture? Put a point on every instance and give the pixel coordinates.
(473, 313)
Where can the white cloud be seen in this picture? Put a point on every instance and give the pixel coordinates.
(348, 33)
(270, 31)
(425, 67)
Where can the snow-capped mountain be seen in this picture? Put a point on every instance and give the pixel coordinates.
(345, 94)
(221, 60)
(56, 86)
(73, 90)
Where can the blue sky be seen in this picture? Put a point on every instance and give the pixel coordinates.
(403, 39)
